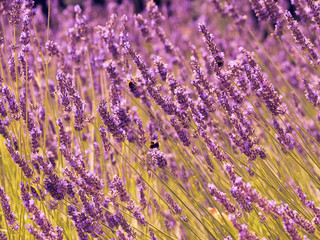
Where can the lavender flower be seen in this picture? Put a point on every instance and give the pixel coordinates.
(311, 95)
(259, 9)
(27, 171)
(12, 103)
(111, 220)
(38, 216)
(25, 34)
(124, 224)
(288, 226)
(108, 35)
(220, 197)
(142, 200)
(181, 132)
(91, 208)
(158, 157)
(91, 182)
(137, 212)
(64, 138)
(275, 14)
(83, 223)
(174, 205)
(261, 86)
(52, 183)
(152, 234)
(215, 150)
(155, 75)
(161, 68)
(298, 219)
(3, 236)
(3, 111)
(78, 112)
(154, 14)
(105, 141)
(110, 67)
(208, 38)
(67, 91)
(15, 12)
(35, 135)
(117, 185)
(52, 47)
(36, 233)
(303, 42)
(111, 122)
(9, 215)
(310, 204)
(283, 138)
(244, 233)
(314, 11)
(143, 27)
(63, 89)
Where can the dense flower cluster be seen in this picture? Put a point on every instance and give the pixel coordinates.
(169, 120)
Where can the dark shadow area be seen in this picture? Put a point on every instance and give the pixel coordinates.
(139, 5)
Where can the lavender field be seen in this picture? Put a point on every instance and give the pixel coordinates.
(189, 120)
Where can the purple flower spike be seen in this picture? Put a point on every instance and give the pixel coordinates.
(23, 164)
(9, 215)
(221, 197)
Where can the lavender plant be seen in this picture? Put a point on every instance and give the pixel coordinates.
(189, 120)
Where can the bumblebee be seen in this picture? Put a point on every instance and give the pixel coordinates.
(132, 86)
(220, 63)
(154, 144)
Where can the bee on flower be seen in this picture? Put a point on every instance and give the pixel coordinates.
(132, 86)
(154, 144)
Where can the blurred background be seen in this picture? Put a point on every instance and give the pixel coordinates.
(139, 5)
